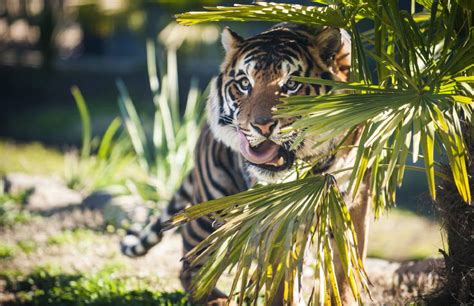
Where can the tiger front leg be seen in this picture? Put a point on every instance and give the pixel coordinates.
(218, 172)
(193, 232)
(214, 298)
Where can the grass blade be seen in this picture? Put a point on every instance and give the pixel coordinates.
(85, 120)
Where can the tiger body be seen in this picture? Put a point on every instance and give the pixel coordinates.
(242, 143)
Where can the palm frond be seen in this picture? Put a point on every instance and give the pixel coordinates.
(274, 221)
(269, 11)
(415, 118)
(415, 103)
(421, 98)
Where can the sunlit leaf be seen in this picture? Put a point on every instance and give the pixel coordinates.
(269, 221)
(106, 142)
(419, 98)
(268, 11)
(134, 127)
(85, 120)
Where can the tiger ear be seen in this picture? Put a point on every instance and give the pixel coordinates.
(334, 51)
(230, 39)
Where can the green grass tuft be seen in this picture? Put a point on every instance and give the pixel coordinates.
(24, 158)
(71, 236)
(7, 250)
(11, 210)
(50, 286)
(27, 246)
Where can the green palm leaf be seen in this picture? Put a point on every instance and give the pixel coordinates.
(383, 112)
(263, 11)
(275, 221)
(421, 99)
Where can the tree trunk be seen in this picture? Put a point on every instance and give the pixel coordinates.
(458, 220)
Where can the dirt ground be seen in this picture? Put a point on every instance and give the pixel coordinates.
(76, 240)
(90, 252)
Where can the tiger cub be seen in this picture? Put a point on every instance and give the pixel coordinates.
(242, 142)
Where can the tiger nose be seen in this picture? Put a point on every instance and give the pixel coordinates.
(264, 125)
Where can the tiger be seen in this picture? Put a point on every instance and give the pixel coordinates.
(243, 143)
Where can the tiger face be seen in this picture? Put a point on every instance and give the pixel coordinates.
(255, 75)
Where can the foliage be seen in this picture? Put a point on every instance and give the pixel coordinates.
(280, 236)
(153, 165)
(15, 157)
(166, 155)
(274, 12)
(102, 160)
(103, 19)
(49, 286)
(11, 213)
(70, 236)
(7, 250)
(421, 97)
(11, 210)
(27, 246)
(415, 102)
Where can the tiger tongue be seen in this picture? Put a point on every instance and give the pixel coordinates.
(265, 153)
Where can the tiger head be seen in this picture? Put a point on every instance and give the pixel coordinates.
(255, 75)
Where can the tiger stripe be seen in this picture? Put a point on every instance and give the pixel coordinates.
(255, 74)
(218, 172)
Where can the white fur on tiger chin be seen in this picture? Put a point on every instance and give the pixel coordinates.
(228, 135)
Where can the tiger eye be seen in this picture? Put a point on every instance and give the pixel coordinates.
(291, 85)
(244, 84)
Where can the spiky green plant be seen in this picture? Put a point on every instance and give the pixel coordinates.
(101, 160)
(166, 155)
(414, 102)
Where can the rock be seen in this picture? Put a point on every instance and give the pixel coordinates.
(399, 283)
(125, 209)
(97, 199)
(118, 210)
(47, 194)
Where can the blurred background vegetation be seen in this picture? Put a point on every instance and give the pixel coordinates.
(49, 46)
(79, 102)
